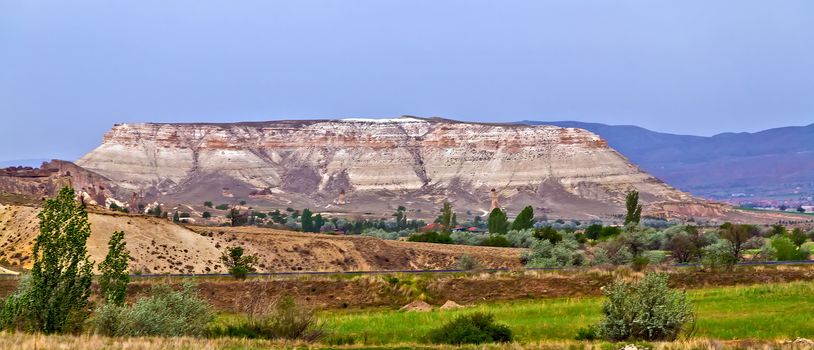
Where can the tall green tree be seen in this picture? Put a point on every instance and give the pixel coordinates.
(114, 279)
(318, 223)
(54, 299)
(498, 224)
(401, 217)
(307, 220)
(446, 217)
(524, 220)
(634, 209)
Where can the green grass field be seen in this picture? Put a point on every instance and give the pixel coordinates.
(765, 312)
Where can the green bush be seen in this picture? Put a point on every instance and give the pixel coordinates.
(166, 312)
(222, 207)
(431, 237)
(466, 262)
(279, 319)
(718, 255)
(496, 241)
(475, 328)
(543, 254)
(786, 250)
(639, 263)
(548, 233)
(587, 333)
(644, 310)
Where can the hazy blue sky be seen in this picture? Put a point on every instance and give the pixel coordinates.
(71, 69)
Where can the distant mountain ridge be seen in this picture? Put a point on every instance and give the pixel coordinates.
(776, 163)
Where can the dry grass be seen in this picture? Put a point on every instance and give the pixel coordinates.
(87, 342)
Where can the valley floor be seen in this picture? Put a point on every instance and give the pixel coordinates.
(767, 316)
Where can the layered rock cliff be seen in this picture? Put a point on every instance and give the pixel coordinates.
(376, 164)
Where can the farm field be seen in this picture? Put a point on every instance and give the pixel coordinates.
(767, 312)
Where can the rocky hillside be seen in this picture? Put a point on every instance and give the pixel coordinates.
(373, 165)
(159, 246)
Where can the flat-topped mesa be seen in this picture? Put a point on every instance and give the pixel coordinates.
(414, 159)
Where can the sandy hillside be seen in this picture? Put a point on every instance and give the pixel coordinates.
(159, 246)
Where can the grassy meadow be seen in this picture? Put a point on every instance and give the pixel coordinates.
(765, 312)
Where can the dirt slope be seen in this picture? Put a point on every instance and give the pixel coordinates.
(159, 246)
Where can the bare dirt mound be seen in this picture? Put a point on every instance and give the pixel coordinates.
(160, 246)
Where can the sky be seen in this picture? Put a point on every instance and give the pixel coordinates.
(69, 70)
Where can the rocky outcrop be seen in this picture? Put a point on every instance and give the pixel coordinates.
(45, 181)
(378, 164)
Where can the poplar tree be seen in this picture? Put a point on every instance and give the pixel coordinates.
(634, 209)
(54, 298)
(114, 279)
(524, 220)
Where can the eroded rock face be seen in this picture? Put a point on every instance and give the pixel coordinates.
(51, 176)
(378, 163)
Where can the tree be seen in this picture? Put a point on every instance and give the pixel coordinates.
(307, 220)
(446, 217)
(55, 297)
(524, 220)
(593, 231)
(738, 234)
(634, 209)
(498, 224)
(318, 223)
(208, 204)
(237, 264)
(401, 217)
(114, 279)
(800, 209)
(548, 233)
(176, 217)
(798, 236)
(206, 215)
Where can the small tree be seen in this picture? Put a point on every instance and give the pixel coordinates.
(524, 220)
(498, 224)
(114, 279)
(206, 215)
(208, 204)
(644, 310)
(738, 234)
(54, 298)
(237, 264)
(634, 209)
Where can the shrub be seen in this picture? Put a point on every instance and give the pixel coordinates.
(496, 241)
(548, 233)
(282, 318)
(543, 254)
(208, 204)
(718, 255)
(237, 264)
(786, 250)
(468, 238)
(379, 233)
(222, 207)
(644, 310)
(166, 312)
(587, 333)
(206, 215)
(640, 262)
(521, 239)
(475, 328)
(431, 237)
(467, 262)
